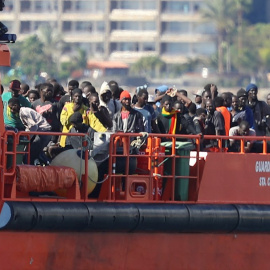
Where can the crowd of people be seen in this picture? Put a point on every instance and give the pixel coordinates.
(80, 108)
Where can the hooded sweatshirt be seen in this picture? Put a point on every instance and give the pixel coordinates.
(112, 106)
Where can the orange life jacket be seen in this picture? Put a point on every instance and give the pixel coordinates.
(227, 118)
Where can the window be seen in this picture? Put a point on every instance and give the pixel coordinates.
(25, 27)
(205, 48)
(175, 48)
(83, 6)
(113, 26)
(66, 26)
(176, 7)
(113, 47)
(83, 26)
(125, 47)
(129, 26)
(149, 4)
(150, 26)
(37, 6)
(89, 5)
(204, 28)
(128, 46)
(25, 6)
(100, 27)
(66, 6)
(100, 5)
(128, 4)
(148, 46)
(100, 48)
(175, 27)
(134, 26)
(83, 46)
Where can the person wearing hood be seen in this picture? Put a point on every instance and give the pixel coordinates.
(105, 93)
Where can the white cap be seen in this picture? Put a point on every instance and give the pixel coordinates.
(199, 92)
(151, 99)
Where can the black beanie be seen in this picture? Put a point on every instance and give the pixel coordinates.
(76, 118)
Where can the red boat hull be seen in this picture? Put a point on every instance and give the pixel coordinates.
(125, 251)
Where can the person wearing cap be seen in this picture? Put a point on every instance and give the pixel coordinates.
(198, 98)
(261, 111)
(243, 111)
(75, 142)
(160, 92)
(127, 119)
(31, 121)
(15, 88)
(149, 116)
(152, 103)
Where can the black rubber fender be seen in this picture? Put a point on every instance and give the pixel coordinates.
(134, 217)
(253, 218)
(18, 216)
(112, 216)
(212, 218)
(163, 217)
(66, 216)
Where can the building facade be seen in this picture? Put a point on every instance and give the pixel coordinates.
(114, 30)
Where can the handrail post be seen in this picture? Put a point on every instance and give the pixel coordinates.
(86, 157)
(242, 146)
(264, 146)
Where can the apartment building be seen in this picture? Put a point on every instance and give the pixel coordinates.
(114, 30)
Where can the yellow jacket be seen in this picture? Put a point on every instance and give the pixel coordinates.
(94, 122)
(67, 111)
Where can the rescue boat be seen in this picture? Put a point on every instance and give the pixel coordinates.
(165, 205)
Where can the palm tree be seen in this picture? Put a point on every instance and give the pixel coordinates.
(222, 14)
(53, 45)
(241, 7)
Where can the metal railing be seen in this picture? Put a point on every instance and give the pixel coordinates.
(121, 185)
